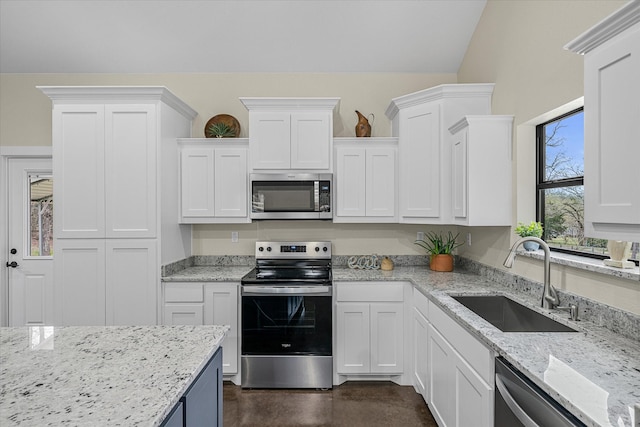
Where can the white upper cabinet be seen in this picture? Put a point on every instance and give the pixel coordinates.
(481, 170)
(290, 133)
(213, 180)
(420, 121)
(612, 129)
(365, 177)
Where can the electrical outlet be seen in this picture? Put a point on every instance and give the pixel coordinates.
(234, 237)
(469, 239)
(420, 235)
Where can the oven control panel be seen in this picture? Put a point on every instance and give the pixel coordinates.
(306, 250)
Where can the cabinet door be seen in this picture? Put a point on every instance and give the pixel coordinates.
(176, 417)
(270, 140)
(352, 341)
(203, 401)
(130, 170)
(419, 148)
(79, 271)
(473, 397)
(441, 379)
(78, 171)
(420, 354)
(197, 181)
(230, 177)
(132, 282)
(459, 173)
(350, 177)
(612, 132)
(381, 182)
(387, 343)
(221, 308)
(183, 314)
(310, 140)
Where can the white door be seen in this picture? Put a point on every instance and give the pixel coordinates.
(30, 261)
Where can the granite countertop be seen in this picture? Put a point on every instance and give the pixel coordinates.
(594, 373)
(99, 376)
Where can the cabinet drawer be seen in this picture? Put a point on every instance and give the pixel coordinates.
(370, 291)
(479, 357)
(421, 302)
(183, 292)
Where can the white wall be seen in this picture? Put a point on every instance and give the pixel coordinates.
(519, 46)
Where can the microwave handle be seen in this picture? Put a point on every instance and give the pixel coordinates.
(316, 195)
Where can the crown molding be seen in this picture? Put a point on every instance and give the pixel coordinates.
(622, 19)
(79, 94)
(466, 120)
(464, 90)
(280, 104)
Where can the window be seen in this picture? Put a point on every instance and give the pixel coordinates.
(41, 215)
(560, 187)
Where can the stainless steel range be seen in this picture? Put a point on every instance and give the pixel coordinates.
(287, 317)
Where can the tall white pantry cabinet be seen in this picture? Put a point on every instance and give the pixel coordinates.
(115, 173)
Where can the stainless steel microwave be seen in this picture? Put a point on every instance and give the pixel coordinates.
(291, 196)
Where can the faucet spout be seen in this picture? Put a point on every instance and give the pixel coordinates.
(549, 294)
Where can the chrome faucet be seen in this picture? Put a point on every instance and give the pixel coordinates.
(549, 295)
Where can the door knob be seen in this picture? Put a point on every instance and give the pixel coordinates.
(14, 251)
(12, 264)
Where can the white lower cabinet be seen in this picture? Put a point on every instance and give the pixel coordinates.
(370, 328)
(460, 372)
(200, 303)
(101, 282)
(420, 345)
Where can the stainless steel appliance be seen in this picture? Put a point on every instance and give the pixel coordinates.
(291, 196)
(519, 402)
(286, 317)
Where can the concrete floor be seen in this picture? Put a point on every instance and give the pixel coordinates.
(351, 404)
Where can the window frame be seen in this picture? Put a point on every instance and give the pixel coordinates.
(542, 185)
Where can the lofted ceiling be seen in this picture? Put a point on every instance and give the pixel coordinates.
(184, 36)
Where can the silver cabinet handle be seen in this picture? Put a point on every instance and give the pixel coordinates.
(513, 405)
(286, 290)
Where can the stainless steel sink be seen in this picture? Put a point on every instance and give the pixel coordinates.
(510, 316)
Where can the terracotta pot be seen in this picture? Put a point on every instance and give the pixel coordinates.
(363, 127)
(442, 262)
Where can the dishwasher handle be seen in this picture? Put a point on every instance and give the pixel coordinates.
(513, 405)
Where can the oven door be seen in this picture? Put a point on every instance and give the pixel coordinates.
(286, 320)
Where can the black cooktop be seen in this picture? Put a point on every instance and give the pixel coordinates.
(308, 272)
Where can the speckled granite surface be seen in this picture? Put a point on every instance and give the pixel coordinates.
(594, 373)
(99, 376)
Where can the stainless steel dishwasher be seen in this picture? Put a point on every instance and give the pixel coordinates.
(519, 402)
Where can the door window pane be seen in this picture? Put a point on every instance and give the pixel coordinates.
(41, 214)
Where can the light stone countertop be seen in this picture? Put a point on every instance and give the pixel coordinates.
(99, 376)
(594, 373)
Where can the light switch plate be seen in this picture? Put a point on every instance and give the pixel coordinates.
(420, 235)
(234, 237)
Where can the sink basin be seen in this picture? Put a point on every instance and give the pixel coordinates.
(510, 316)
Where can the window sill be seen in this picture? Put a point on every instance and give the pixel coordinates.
(585, 263)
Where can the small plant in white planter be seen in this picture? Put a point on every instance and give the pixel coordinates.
(534, 229)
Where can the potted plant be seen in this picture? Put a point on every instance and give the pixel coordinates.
(221, 130)
(534, 229)
(439, 248)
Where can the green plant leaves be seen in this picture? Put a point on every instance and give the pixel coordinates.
(437, 243)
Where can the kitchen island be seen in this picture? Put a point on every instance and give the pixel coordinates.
(114, 375)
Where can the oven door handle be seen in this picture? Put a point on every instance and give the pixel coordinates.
(298, 290)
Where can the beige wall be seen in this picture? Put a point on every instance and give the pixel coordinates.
(25, 112)
(519, 46)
